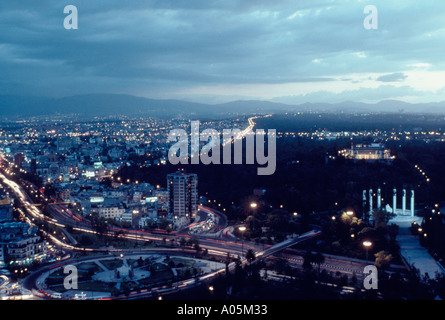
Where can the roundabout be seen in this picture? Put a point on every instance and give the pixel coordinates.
(121, 277)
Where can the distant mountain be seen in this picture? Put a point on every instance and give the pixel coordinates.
(255, 106)
(89, 105)
(11, 105)
(385, 106)
(97, 105)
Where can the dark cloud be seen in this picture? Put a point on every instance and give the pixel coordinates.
(393, 77)
(159, 47)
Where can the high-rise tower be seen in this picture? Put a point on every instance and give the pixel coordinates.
(182, 194)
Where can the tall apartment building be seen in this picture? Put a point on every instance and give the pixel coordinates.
(182, 194)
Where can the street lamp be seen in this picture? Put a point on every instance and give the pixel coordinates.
(367, 244)
(350, 213)
(253, 205)
(242, 229)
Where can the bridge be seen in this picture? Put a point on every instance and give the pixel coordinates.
(288, 243)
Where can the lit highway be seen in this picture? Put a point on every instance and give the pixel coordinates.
(65, 217)
(249, 129)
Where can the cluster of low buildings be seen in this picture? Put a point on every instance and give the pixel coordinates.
(72, 151)
(19, 242)
(135, 204)
(76, 158)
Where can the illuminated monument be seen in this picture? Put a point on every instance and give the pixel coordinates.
(368, 200)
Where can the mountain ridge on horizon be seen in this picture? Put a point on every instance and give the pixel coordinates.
(103, 104)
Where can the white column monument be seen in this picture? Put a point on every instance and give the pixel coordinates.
(370, 200)
(379, 199)
(404, 202)
(394, 200)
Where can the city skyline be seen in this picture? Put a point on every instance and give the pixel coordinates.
(99, 199)
(216, 52)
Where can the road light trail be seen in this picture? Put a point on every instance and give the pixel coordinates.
(248, 130)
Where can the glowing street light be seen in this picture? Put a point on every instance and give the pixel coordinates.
(367, 244)
(242, 229)
(253, 205)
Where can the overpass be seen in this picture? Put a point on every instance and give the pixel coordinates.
(288, 243)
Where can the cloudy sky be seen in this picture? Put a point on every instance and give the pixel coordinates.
(217, 51)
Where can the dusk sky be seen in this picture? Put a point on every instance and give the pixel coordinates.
(219, 51)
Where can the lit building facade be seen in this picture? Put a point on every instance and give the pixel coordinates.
(368, 152)
(109, 212)
(20, 243)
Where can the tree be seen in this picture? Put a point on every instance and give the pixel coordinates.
(280, 265)
(99, 225)
(250, 256)
(278, 220)
(318, 258)
(227, 262)
(308, 258)
(381, 217)
(382, 259)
